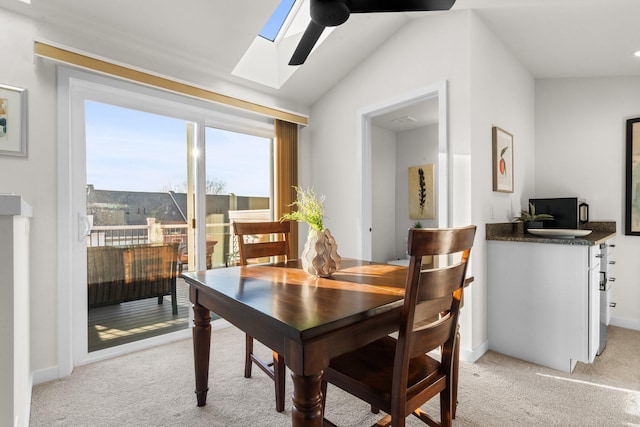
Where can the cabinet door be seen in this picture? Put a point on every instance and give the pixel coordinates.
(538, 302)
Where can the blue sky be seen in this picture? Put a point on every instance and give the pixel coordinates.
(130, 150)
(274, 24)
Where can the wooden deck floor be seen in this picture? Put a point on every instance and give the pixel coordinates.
(131, 321)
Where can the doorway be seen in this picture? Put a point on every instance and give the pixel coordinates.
(404, 132)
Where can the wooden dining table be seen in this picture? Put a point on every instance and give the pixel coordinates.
(306, 319)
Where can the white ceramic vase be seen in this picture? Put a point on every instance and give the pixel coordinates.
(320, 254)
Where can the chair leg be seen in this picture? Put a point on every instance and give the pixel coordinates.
(247, 356)
(278, 378)
(456, 367)
(174, 306)
(174, 298)
(446, 407)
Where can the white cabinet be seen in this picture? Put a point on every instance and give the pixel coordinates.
(15, 387)
(543, 302)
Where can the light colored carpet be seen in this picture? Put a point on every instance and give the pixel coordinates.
(154, 387)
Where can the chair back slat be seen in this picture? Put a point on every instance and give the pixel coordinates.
(440, 282)
(424, 242)
(431, 336)
(268, 239)
(265, 249)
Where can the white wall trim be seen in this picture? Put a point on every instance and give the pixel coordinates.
(65, 222)
(476, 353)
(625, 323)
(363, 160)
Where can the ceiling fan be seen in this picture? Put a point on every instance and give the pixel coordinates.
(331, 13)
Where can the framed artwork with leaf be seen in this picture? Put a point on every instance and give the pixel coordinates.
(502, 160)
(421, 192)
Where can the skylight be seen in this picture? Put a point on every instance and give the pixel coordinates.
(274, 24)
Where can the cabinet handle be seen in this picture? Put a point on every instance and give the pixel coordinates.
(599, 256)
(612, 279)
(612, 304)
(612, 262)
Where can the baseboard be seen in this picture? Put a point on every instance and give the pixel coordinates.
(45, 375)
(53, 373)
(625, 323)
(476, 353)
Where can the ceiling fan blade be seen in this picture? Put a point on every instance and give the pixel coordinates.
(308, 40)
(371, 6)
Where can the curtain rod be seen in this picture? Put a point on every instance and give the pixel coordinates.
(65, 56)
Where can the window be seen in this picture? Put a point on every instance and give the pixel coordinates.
(273, 26)
(239, 188)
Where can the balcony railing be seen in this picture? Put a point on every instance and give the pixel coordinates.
(118, 235)
(218, 234)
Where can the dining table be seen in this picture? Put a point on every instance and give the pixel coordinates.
(307, 319)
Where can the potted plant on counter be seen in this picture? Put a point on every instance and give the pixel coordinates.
(320, 254)
(531, 219)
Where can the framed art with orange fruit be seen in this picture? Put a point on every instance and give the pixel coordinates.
(502, 160)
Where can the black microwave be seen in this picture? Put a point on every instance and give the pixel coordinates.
(564, 211)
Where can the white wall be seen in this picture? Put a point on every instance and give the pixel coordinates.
(424, 52)
(503, 95)
(580, 150)
(392, 153)
(415, 147)
(34, 178)
(383, 187)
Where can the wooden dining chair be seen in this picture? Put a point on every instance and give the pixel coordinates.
(398, 376)
(260, 240)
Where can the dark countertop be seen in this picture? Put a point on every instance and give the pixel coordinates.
(513, 232)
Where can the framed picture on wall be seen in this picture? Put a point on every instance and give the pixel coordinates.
(632, 193)
(421, 192)
(13, 121)
(502, 159)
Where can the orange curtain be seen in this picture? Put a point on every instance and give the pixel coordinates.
(286, 174)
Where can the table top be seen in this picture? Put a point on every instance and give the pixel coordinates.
(303, 306)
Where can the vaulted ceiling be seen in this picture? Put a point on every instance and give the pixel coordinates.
(552, 38)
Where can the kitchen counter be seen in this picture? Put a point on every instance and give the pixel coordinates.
(513, 232)
(543, 294)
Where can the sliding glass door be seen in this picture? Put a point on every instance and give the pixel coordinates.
(139, 168)
(239, 187)
(136, 204)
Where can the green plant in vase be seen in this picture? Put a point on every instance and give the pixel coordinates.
(320, 254)
(531, 219)
(309, 209)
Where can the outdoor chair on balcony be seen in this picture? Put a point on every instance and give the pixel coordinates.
(117, 274)
(183, 255)
(262, 240)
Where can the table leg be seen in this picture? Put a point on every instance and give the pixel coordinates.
(201, 349)
(307, 400)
